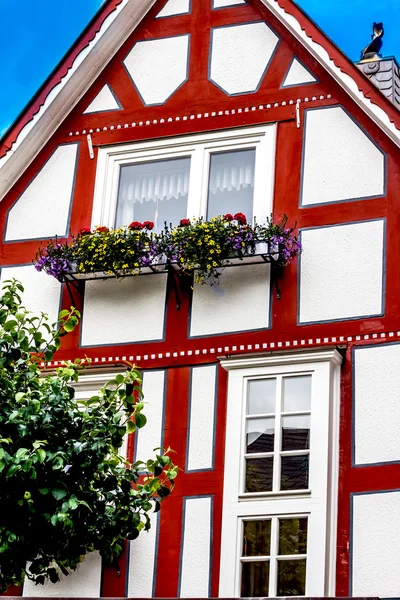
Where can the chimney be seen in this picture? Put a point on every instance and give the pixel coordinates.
(383, 72)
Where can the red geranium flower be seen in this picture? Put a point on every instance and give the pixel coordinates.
(240, 218)
(84, 231)
(228, 217)
(135, 225)
(148, 225)
(184, 222)
(102, 229)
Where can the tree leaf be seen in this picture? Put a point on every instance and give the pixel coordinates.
(59, 494)
(130, 427)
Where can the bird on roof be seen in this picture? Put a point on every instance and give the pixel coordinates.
(372, 51)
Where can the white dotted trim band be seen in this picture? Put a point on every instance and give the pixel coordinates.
(205, 115)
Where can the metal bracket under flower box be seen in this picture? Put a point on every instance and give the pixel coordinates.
(163, 265)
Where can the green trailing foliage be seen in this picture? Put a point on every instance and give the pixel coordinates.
(65, 491)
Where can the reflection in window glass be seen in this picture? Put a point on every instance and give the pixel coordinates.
(260, 435)
(259, 474)
(255, 579)
(153, 191)
(291, 577)
(294, 472)
(296, 432)
(297, 393)
(261, 396)
(256, 538)
(293, 536)
(231, 183)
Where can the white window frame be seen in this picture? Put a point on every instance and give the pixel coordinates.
(198, 148)
(319, 502)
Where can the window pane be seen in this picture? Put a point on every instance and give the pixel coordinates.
(255, 579)
(259, 474)
(261, 396)
(256, 538)
(260, 435)
(231, 183)
(296, 432)
(294, 472)
(153, 191)
(292, 577)
(297, 393)
(293, 536)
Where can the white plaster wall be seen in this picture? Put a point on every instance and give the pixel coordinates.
(240, 55)
(222, 3)
(141, 562)
(341, 271)
(42, 210)
(158, 67)
(297, 75)
(130, 310)
(375, 548)
(239, 302)
(202, 418)
(42, 292)
(150, 436)
(377, 404)
(195, 564)
(84, 582)
(174, 7)
(104, 101)
(340, 160)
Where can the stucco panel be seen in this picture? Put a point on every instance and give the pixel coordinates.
(174, 7)
(117, 312)
(84, 582)
(240, 302)
(42, 293)
(158, 67)
(202, 418)
(104, 101)
(195, 564)
(42, 210)
(240, 55)
(297, 75)
(375, 545)
(341, 271)
(376, 404)
(340, 160)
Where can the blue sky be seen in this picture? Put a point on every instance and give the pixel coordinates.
(39, 33)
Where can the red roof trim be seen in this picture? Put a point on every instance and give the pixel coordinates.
(60, 71)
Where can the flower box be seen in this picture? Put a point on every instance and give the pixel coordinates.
(159, 265)
(198, 247)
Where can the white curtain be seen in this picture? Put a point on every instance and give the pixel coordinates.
(156, 186)
(233, 171)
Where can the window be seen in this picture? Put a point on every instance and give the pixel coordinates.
(278, 532)
(190, 176)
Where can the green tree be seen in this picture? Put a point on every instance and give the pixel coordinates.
(64, 489)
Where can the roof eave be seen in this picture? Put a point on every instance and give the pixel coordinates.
(358, 87)
(59, 102)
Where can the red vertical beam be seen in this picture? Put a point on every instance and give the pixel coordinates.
(170, 533)
(286, 200)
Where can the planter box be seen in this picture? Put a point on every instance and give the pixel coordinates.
(159, 266)
(262, 255)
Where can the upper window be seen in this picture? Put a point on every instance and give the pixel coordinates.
(280, 475)
(165, 181)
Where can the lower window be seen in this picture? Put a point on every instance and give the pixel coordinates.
(279, 517)
(274, 557)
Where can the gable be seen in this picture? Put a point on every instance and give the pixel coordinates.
(215, 57)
